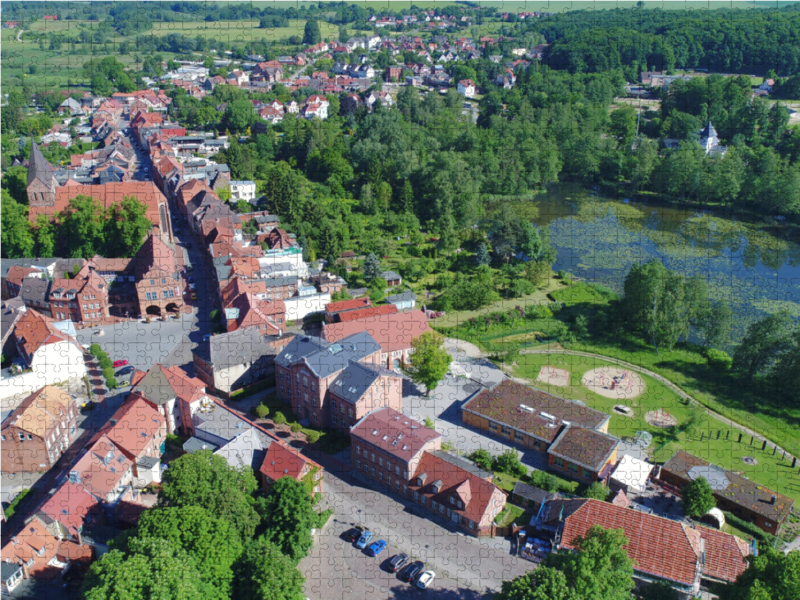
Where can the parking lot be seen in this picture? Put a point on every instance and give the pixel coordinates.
(465, 567)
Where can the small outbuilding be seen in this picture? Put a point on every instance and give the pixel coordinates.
(631, 475)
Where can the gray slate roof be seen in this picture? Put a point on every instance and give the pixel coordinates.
(226, 425)
(356, 379)
(404, 297)
(34, 288)
(9, 316)
(533, 493)
(462, 464)
(390, 275)
(324, 358)
(155, 387)
(235, 348)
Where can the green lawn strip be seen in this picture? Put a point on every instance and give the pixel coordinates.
(505, 482)
(511, 514)
(15, 503)
(770, 470)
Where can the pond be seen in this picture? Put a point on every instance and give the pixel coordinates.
(754, 266)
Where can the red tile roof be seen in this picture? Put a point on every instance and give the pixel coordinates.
(98, 476)
(657, 546)
(392, 332)
(397, 434)
(16, 274)
(37, 330)
(475, 493)
(107, 195)
(132, 427)
(333, 307)
(585, 447)
(280, 461)
(27, 546)
(372, 311)
(70, 505)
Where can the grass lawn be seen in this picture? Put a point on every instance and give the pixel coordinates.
(511, 514)
(770, 470)
(505, 482)
(15, 503)
(241, 31)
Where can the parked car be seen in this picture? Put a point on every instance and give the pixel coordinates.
(412, 571)
(398, 562)
(365, 539)
(190, 279)
(120, 363)
(125, 371)
(193, 287)
(353, 535)
(194, 296)
(376, 548)
(425, 580)
(189, 267)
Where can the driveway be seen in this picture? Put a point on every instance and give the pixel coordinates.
(465, 567)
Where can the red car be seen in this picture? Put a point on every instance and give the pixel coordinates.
(120, 363)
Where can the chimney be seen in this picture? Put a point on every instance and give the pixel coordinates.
(80, 538)
(25, 573)
(774, 499)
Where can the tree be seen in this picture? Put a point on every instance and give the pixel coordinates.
(482, 255)
(372, 268)
(660, 590)
(544, 583)
(715, 323)
(288, 517)
(763, 342)
(264, 573)
(429, 361)
(154, 568)
(16, 230)
(508, 462)
(597, 491)
(212, 542)
(697, 498)
(126, 227)
(206, 480)
(772, 575)
(83, 222)
(483, 458)
(623, 124)
(600, 568)
(311, 34)
(45, 235)
(15, 180)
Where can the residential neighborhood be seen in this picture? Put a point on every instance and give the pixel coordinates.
(463, 301)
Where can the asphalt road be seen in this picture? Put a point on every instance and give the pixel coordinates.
(465, 567)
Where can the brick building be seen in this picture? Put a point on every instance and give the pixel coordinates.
(158, 283)
(744, 498)
(360, 389)
(307, 367)
(38, 431)
(406, 456)
(84, 298)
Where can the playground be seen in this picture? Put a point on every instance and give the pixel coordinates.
(660, 418)
(554, 376)
(614, 382)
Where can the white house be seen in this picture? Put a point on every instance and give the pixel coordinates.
(466, 87)
(292, 107)
(403, 301)
(47, 356)
(243, 190)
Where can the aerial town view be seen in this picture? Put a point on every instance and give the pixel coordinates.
(452, 299)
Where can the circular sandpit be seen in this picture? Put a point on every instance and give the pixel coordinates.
(614, 382)
(660, 418)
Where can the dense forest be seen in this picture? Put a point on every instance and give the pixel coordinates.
(723, 41)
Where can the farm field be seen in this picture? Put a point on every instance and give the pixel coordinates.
(724, 452)
(240, 31)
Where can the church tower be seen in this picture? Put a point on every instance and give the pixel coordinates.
(41, 179)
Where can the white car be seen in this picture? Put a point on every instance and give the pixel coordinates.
(425, 580)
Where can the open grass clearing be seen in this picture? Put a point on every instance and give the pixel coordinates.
(241, 31)
(770, 470)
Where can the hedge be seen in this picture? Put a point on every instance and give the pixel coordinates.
(750, 528)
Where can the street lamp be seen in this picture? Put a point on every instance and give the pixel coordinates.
(359, 517)
(426, 555)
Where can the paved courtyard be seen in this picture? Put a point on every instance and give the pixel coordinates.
(466, 567)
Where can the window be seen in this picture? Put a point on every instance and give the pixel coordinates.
(305, 382)
(297, 377)
(313, 401)
(372, 471)
(434, 504)
(283, 390)
(152, 282)
(558, 461)
(506, 431)
(405, 489)
(333, 418)
(21, 437)
(424, 501)
(358, 450)
(416, 495)
(372, 456)
(3, 437)
(471, 524)
(380, 475)
(349, 412)
(280, 375)
(397, 484)
(358, 464)
(168, 293)
(493, 426)
(30, 437)
(441, 508)
(396, 470)
(380, 461)
(573, 468)
(313, 386)
(163, 281)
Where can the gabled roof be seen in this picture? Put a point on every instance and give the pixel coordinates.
(365, 313)
(102, 468)
(17, 273)
(247, 449)
(162, 384)
(331, 358)
(533, 493)
(39, 168)
(36, 330)
(242, 346)
(334, 307)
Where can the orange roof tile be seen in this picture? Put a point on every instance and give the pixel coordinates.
(392, 332)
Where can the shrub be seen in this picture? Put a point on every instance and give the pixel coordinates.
(597, 491)
(312, 437)
(95, 349)
(108, 373)
(482, 458)
(719, 358)
(323, 517)
(262, 411)
(750, 528)
(111, 383)
(508, 462)
(105, 362)
(279, 418)
(295, 427)
(429, 423)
